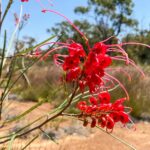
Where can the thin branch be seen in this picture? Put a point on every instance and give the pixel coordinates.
(47, 120)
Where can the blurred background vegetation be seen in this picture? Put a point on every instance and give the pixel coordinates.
(109, 17)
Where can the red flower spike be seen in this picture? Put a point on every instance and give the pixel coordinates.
(104, 97)
(70, 63)
(24, 0)
(89, 109)
(93, 101)
(118, 104)
(102, 121)
(104, 114)
(96, 79)
(99, 48)
(104, 60)
(85, 123)
(118, 108)
(92, 87)
(93, 123)
(76, 49)
(110, 122)
(94, 107)
(124, 118)
(73, 74)
(90, 75)
(105, 107)
(115, 116)
(99, 71)
(119, 101)
(82, 85)
(82, 105)
(92, 59)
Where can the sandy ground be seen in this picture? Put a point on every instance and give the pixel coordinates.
(96, 140)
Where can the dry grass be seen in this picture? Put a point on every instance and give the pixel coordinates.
(138, 89)
(45, 83)
(96, 141)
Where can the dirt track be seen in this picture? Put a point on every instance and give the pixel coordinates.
(96, 140)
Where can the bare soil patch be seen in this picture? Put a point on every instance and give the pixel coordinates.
(75, 137)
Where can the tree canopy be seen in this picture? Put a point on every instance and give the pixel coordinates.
(105, 18)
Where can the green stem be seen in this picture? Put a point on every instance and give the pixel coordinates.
(5, 12)
(117, 138)
(30, 142)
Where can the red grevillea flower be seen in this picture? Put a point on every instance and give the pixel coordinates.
(76, 49)
(90, 70)
(24, 0)
(73, 74)
(99, 48)
(102, 112)
(92, 64)
(70, 62)
(104, 97)
(88, 67)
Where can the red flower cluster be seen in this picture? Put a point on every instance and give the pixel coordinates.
(89, 70)
(102, 112)
(24, 0)
(86, 69)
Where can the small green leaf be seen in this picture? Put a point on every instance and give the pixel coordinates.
(3, 53)
(30, 142)
(31, 48)
(11, 142)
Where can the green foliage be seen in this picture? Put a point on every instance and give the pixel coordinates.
(107, 18)
(139, 53)
(29, 94)
(81, 9)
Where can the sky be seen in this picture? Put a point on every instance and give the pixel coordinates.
(39, 22)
